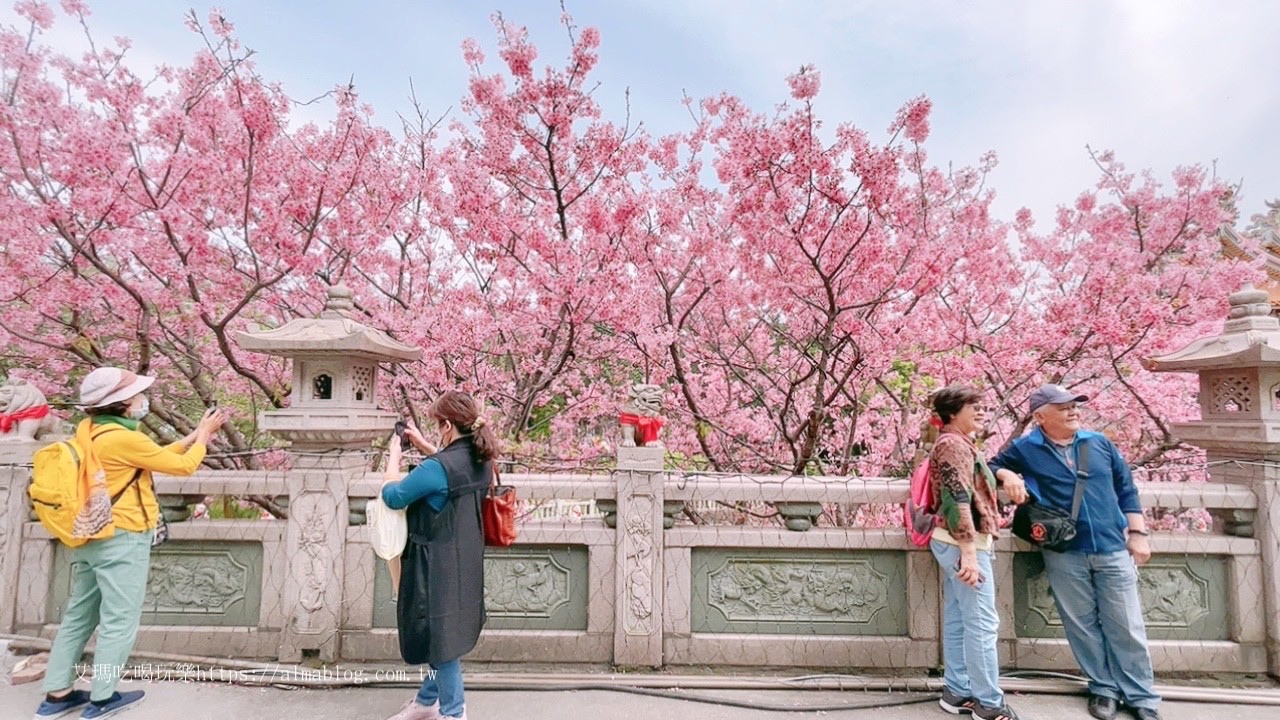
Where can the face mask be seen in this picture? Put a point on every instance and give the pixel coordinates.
(141, 411)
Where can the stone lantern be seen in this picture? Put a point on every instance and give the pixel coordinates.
(1239, 381)
(1239, 429)
(334, 400)
(333, 406)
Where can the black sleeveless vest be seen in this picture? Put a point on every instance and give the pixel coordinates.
(440, 608)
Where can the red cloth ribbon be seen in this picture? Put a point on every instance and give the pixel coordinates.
(646, 427)
(10, 421)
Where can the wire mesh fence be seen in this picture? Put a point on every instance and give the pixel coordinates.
(641, 567)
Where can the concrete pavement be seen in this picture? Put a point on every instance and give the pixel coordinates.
(190, 700)
(251, 691)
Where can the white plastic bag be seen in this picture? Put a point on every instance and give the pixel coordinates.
(388, 529)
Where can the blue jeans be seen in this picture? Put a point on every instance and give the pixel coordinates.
(971, 665)
(444, 683)
(1097, 597)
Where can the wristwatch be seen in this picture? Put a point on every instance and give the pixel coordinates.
(1135, 531)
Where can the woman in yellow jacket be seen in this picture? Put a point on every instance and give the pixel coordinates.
(109, 576)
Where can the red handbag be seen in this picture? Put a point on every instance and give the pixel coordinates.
(498, 513)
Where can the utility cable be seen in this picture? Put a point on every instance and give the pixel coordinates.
(914, 690)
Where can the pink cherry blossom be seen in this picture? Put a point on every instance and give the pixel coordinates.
(799, 284)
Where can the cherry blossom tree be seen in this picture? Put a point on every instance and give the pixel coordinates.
(799, 284)
(838, 248)
(148, 218)
(1133, 269)
(541, 201)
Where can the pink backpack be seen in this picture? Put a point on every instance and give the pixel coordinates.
(920, 515)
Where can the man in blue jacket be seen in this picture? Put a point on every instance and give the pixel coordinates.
(1095, 582)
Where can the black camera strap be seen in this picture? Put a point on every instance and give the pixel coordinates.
(1082, 474)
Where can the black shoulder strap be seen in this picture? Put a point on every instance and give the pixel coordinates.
(137, 486)
(1082, 475)
(133, 482)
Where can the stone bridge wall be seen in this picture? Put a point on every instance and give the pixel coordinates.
(632, 582)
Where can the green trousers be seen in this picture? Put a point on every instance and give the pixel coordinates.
(108, 585)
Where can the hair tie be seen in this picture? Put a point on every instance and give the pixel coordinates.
(478, 422)
(935, 421)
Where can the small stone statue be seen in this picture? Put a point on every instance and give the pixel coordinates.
(24, 412)
(639, 417)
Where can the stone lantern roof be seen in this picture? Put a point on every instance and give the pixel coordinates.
(333, 333)
(1250, 338)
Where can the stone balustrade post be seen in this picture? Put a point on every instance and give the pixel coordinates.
(639, 569)
(1266, 484)
(15, 474)
(315, 546)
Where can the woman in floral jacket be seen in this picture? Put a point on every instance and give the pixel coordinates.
(963, 492)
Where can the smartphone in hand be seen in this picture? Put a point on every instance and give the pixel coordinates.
(401, 428)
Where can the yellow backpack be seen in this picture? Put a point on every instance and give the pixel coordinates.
(55, 490)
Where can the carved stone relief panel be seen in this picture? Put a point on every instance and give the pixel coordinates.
(805, 591)
(526, 587)
(312, 565)
(10, 522)
(1183, 598)
(194, 581)
(1173, 595)
(5, 522)
(639, 569)
(190, 583)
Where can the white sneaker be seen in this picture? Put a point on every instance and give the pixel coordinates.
(413, 711)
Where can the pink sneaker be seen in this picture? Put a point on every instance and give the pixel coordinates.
(413, 711)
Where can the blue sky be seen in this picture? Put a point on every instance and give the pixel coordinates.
(1161, 82)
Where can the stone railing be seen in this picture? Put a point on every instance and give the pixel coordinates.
(637, 584)
(549, 598)
(215, 589)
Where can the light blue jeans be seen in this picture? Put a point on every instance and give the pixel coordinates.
(1097, 597)
(444, 684)
(971, 665)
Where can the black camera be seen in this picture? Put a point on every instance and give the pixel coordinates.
(401, 427)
